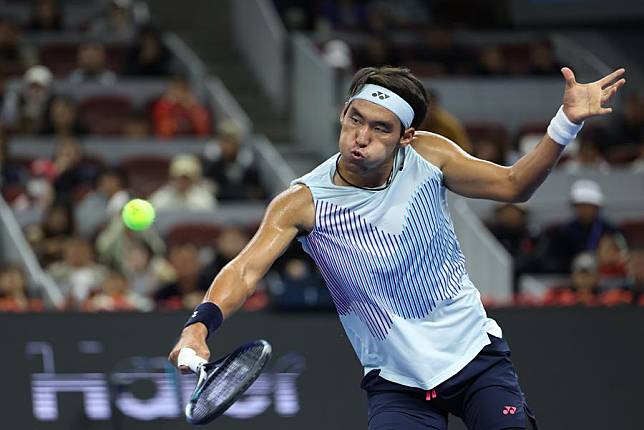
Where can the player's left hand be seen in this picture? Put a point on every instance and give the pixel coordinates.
(582, 101)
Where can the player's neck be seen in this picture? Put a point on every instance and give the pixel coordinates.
(349, 175)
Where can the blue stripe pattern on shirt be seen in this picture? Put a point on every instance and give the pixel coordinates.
(373, 273)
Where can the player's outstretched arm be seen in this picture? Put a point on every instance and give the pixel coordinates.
(290, 213)
(472, 177)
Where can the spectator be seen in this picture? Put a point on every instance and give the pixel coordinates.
(148, 56)
(11, 173)
(583, 288)
(104, 203)
(116, 295)
(588, 156)
(543, 60)
(492, 62)
(582, 232)
(629, 123)
(77, 274)
(62, 120)
(297, 16)
(91, 65)
(294, 282)
(46, 15)
(378, 52)
(25, 110)
(47, 239)
(14, 295)
(338, 14)
(178, 112)
(403, 13)
(439, 121)
(612, 258)
(637, 166)
(57, 178)
(229, 243)
(439, 49)
(232, 166)
(636, 274)
(337, 54)
(71, 172)
(137, 126)
(117, 23)
(183, 291)
(144, 270)
(186, 190)
(510, 227)
(39, 192)
(487, 149)
(15, 54)
(115, 242)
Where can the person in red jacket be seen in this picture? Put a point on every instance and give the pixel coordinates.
(178, 112)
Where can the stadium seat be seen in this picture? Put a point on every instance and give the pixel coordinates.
(146, 173)
(197, 233)
(634, 232)
(105, 114)
(492, 131)
(59, 57)
(622, 154)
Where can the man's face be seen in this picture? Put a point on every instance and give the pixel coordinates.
(92, 58)
(369, 135)
(586, 213)
(183, 183)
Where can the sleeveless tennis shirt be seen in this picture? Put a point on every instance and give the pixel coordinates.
(392, 264)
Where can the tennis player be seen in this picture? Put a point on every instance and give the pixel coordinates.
(374, 219)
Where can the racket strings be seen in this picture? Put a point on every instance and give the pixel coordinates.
(226, 382)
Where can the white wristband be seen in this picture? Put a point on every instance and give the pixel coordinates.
(561, 129)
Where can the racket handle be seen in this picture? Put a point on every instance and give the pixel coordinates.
(188, 357)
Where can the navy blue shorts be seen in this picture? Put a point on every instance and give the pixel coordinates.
(485, 394)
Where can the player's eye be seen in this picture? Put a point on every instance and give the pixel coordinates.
(354, 120)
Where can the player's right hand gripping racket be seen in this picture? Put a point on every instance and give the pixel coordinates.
(222, 382)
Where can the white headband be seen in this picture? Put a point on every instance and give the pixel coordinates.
(389, 100)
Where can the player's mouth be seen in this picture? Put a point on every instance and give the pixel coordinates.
(357, 154)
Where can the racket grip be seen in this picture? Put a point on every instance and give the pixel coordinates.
(188, 357)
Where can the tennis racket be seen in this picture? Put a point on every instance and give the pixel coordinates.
(222, 382)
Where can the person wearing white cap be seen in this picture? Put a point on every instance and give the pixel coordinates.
(186, 190)
(374, 218)
(26, 108)
(582, 232)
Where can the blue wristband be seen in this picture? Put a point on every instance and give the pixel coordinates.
(209, 315)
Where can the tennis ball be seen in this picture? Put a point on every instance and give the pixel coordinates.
(138, 214)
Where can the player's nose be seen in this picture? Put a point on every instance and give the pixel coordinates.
(362, 136)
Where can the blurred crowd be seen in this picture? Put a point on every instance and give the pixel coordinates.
(604, 261)
(422, 35)
(79, 239)
(100, 265)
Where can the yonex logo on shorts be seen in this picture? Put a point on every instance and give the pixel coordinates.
(380, 95)
(509, 410)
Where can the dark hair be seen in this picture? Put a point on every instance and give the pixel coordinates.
(399, 80)
(115, 171)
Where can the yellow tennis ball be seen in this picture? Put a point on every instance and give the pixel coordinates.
(138, 214)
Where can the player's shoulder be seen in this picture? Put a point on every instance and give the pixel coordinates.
(293, 206)
(434, 148)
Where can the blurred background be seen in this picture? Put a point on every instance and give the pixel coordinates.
(210, 108)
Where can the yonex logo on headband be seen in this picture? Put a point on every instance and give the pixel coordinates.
(380, 95)
(389, 100)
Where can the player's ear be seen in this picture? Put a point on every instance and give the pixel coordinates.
(407, 137)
